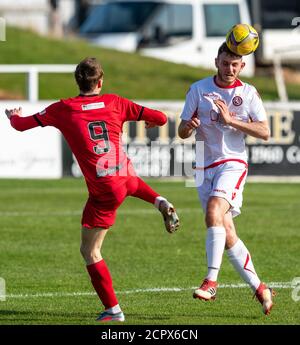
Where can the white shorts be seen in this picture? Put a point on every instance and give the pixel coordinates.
(226, 181)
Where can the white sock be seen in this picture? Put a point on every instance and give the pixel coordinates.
(114, 310)
(158, 200)
(240, 258)
(215, 243)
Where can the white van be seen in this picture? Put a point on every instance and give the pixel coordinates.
(181, 31)
(278, 25)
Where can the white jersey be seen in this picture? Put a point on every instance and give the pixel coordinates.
(222, 141)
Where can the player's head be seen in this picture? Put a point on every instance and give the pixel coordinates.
(89, 75)
(229, 64)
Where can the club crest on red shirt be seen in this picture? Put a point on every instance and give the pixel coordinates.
(237, 101)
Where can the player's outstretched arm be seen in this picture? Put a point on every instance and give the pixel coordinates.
(153, 118)
(18, 122)
(149, 125)
(10, 112)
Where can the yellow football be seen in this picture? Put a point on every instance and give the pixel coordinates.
(242, 39)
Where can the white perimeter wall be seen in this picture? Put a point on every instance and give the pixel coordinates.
(36, 153)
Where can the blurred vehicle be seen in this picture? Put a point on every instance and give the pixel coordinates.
(277, 22)
(181, 31)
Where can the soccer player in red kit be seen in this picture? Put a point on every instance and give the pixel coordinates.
(92, 125)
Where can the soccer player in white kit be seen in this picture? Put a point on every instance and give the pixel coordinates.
(222, 109)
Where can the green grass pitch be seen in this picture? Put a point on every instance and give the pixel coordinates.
(154, 273)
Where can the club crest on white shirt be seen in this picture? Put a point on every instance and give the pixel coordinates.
(237, 100)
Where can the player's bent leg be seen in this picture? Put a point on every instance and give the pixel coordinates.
(169, 214)
(139, 189)
(91, 243)
(240, 258)
(239, 255)
(231, 236)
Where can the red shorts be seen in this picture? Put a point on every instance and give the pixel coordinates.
(100, 212)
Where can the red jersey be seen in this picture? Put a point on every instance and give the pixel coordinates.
(92, 126)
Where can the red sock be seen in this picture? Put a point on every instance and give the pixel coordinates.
(145, 192)
(102, 282)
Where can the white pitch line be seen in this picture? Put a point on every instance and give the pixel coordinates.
(78, 212)
(135, 211)
(39, 214)
(44, 191)
(277, 285)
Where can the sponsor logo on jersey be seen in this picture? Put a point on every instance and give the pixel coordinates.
(109, 171)
(220, 191)
(211, 95)
(91, 106)
(237, 101)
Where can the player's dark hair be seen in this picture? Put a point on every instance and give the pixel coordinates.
(87, 74)
(224, 49)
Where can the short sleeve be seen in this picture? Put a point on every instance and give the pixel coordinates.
(257, 111)
(191, 104)
(49, 116)
(130, 111)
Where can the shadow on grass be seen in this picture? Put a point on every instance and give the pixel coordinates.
(31, 316)
(205, 317)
